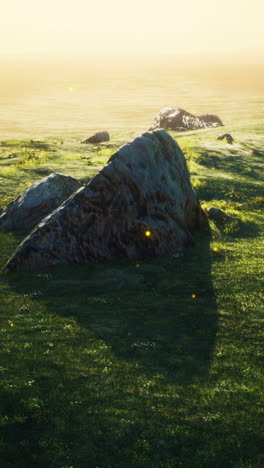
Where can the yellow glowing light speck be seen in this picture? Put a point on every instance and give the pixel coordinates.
(137, 265)
(70, 90)
(194, 296)
(147, 233)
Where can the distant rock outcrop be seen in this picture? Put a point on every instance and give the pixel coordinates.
(37, 201)
(227, 137)
(140, 204)
(98, 137)
(181, 120)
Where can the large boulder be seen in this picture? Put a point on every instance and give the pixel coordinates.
(37, 201)
(98, 137)
(181, 120)
(140, 204)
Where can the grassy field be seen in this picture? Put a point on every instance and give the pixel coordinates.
(149, 364)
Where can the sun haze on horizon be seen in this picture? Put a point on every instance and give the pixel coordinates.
(146, 27)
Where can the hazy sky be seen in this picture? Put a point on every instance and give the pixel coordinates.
(139, 27)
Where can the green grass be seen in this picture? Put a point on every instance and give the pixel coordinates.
(150, 364)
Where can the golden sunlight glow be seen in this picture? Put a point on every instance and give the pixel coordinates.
(70, 90)
(142, 27)
(147, 233)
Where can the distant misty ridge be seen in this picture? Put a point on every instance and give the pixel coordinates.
(54, 97)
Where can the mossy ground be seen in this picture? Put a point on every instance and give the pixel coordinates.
(139, 364)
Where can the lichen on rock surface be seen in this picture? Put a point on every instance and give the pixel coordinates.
(140, 204)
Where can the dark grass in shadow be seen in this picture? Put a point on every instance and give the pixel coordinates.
(237, 229)
(34, 144)
(240, 164)
(160, 314)
(37, 172)
(217, 188)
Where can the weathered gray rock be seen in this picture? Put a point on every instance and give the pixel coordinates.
(227, 137)
(98, 137)
(216, 213)
(140, 204)
(181, 120)
(37, 201)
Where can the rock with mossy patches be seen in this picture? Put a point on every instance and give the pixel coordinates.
(37, 201)
(227, 137)
(181, 120)
(98, 137)
(141, 204)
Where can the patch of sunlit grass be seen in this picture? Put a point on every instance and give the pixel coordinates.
(198, 183)
(106, 152)
(8, 170)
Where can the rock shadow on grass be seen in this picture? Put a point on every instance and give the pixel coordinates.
(159, 314)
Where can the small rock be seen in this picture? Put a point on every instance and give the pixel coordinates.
(98, 137)
(216, 213)
(227, 137)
